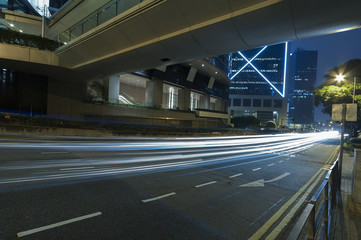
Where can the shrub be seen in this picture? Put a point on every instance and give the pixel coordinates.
(28, 40)
(245, 121)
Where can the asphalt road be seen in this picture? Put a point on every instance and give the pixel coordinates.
(245, 187)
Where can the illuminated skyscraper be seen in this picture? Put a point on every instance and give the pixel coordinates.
(258, 83)
(303, 71)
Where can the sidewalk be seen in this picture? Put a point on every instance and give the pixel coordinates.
(348, 218)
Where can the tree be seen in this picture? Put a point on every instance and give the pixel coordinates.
(245, 121)
(332, 91)
(271, 124)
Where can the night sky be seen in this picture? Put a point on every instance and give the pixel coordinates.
(333, 50)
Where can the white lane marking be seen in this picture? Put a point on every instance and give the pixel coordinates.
(281, 161)
(35, 230)
(75, 168)
(236, 175)
(261, 182)
(256, 169)
(159, 197)
(54, 152)
(270, 164)
(278, 178)
(205, 184)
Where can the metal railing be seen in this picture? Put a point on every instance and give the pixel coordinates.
(318, 216)
(101, 15)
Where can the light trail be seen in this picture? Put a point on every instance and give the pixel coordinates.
(156, 156)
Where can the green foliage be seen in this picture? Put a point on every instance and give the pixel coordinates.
(245, 121)
(22, 39)
(329, 95)
(332, 92)
(271, 124)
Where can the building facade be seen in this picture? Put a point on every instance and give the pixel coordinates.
(258, 83)
(302, 80)
(33, 81)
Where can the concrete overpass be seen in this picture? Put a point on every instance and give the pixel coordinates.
(156, 33)
(163, 32)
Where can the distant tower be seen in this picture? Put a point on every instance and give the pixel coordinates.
(303, 71)
(258, 85)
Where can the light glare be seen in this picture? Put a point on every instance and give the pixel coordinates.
(340, 77)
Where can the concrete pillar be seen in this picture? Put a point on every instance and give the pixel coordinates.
(204, 101)
(113, 89)
(154, 93)
(356, 178)
(185, 100)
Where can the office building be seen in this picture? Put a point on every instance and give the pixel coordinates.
(303, 71)
(35, 80)
(258, 83)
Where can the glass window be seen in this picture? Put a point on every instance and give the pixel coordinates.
(247, 102)
(171, 96)
(195, 99)
(237, 102)
(267, 103)
(277, 103)
(257, 102)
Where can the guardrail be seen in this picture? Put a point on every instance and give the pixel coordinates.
(318, 216)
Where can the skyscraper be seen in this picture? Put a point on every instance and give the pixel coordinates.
(303, 71)
(258, 85)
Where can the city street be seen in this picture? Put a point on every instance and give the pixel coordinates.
(244, 187)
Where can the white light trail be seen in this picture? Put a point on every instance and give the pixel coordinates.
(209, 152)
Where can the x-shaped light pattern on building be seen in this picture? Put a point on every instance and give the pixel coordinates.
(249, 62)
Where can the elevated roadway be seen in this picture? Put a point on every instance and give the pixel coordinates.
(163, 32)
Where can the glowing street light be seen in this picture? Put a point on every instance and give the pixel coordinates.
(341, 77)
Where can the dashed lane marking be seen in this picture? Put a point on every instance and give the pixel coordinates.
(309, 186)
(159, 197)
(256, 169)
(270, 164)
(205, 184)
(35, 230)
(236, 175)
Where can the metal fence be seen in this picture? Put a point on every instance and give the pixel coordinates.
(101, 15)
(317, 219)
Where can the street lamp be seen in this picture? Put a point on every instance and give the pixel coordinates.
(341, 77)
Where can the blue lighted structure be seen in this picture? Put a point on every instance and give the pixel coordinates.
(249, 62)
(258, 83)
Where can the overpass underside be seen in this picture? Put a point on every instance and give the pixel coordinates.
(163, 32)
(159, 33)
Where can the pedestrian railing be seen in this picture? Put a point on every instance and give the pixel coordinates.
(316, 221)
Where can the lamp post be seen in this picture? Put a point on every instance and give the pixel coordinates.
(340, 78)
